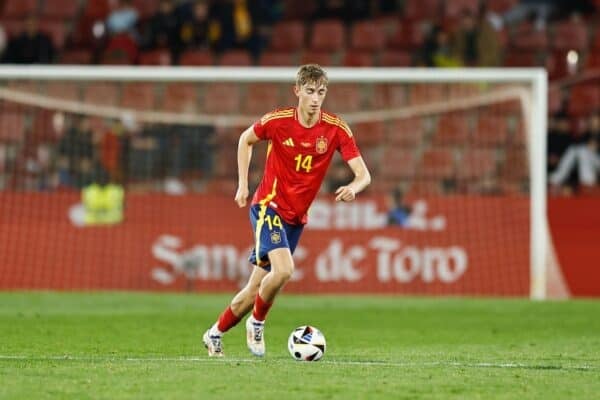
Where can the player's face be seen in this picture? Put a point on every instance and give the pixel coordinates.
(310, 97)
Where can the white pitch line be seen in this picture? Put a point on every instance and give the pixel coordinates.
(8, 357)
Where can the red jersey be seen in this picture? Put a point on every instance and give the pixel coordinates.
(297, 159)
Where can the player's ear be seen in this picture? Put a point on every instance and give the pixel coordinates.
(296, 90)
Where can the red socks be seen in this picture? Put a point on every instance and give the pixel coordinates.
(261, 308)
(227, 320)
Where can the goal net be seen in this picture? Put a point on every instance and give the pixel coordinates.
(123, 178)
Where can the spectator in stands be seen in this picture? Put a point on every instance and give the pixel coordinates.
(436, 51)
(475, 41)
(111, 150)
(162, 28)
(234, 25)
(192, 30)
(398, 212)
(123, 19)
(559, 138)
(76, 154)
(31, 47)
(191, 149)
(143, 153)
(582, 155)
(103, 200)
(346, 10)
(3, 42)
(123, 40)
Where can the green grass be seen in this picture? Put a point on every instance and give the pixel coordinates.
(147, 346)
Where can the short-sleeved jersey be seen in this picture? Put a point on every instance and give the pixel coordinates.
(297, 159)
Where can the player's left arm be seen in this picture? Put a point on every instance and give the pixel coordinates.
(362, 178)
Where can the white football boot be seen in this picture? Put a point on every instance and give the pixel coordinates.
(255, 336)
(213, 344)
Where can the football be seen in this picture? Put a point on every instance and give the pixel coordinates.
(306, 343)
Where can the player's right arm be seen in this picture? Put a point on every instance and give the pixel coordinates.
(244, 155)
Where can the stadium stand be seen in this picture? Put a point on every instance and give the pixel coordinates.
(568, 45)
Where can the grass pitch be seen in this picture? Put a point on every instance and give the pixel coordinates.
(147, 346)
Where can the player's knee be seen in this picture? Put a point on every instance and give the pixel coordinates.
(285, 274)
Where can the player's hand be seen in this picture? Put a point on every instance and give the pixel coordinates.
(345, 193)
(241, 196)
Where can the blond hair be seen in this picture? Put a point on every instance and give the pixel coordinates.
(311, 73)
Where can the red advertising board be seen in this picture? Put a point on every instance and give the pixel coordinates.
(461, 246)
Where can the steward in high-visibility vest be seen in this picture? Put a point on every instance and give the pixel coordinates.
(103, 204)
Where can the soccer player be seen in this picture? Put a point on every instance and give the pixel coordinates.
(302, 142)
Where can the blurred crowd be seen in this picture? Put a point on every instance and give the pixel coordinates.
(431, 33)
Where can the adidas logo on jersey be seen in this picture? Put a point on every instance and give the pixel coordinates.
(288, 142)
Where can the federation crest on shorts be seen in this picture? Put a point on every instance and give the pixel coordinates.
(275, 237)
(321, 145)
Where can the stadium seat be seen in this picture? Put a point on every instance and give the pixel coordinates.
(557, 66)
(19, 8)
(180, 97)
(82, 35)
(491, 130)
(222, 98)
(422, 9)
(196, 57)
(146, 8)
(527, 37)
(460, 91)
(398, 163)
(369, 133)
(500, 6)
(42, 130)
(571, 34)
(343, 97)
(389, 96)
(12, 127)
(64, 10)
(139, 96)
(584, 99)
(101, 93)
(155, 57)
(277, 58)
(514, 167)
(425, 187)
(57, 30)
(261, 98)
(395, 58)
(288, 36)
(97, 9)
(357, 58)
(408, 36)
(407, 133)
(76, 57)
(63, 90)
(476, 164)
(327, 35)
(521, 59)
(437, 163)
(424, 94)
(324, 58)
(453, 9)
(592, 60)
(298, 9)
(367, 36)
(452, 130)
(240, 58)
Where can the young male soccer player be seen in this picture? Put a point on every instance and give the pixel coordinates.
(302, 142)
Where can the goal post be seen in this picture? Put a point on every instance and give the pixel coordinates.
(527, 87)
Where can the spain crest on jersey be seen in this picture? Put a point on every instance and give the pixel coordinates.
(275, 237)
(321, 145)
